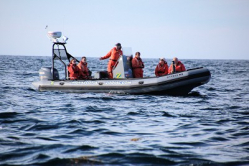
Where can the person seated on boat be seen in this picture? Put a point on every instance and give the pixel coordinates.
(83, 68)
(179, 66)
(114, 55)
(161, 68)
(137, 66)
(73, 69)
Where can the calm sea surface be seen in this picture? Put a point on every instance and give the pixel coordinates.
(210, 126)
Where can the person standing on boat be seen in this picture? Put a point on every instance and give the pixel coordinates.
(114, 54)
(179, 67)
(161, 68)
(83, 68)
(137, 66)
(74, 71)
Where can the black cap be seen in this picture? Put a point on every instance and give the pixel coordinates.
(118, 44)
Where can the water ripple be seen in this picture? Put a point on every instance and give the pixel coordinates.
(207, 127)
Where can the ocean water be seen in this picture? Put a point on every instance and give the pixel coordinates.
(210, 126)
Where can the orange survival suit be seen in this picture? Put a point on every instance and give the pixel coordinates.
(74, 71)
(161, 70)
(137, 66)
(114, 54)
(84, 70)
(179, 67)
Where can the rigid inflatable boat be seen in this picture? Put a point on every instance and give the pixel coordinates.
(122, 83)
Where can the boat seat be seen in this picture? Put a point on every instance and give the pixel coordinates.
(101, 75)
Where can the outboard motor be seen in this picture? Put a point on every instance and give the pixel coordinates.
(45, 74)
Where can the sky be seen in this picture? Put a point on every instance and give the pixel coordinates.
(193, 29)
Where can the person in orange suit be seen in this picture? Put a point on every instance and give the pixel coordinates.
(161, 68)
(137, 66)
(179, 67)
(83, 68)
(74, 71)
(114, 55)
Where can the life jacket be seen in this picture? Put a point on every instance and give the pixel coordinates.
(114, 54)
(137, 66)
(84, 70)
(74, 71)
(137, 63)
(161, 69)
(179, 67)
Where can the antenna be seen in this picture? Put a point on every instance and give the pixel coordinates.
(46, 28)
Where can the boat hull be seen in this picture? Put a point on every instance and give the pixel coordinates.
(173, 84)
